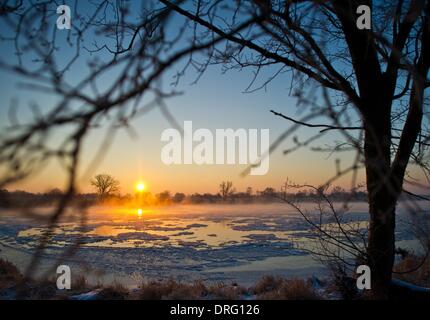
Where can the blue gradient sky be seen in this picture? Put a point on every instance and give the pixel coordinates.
(216, 101)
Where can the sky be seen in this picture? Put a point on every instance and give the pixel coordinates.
(216, 101)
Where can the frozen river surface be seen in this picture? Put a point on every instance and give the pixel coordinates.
(225, 243)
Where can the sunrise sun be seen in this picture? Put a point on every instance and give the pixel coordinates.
(140, 186)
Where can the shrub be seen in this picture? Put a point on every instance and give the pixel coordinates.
(171, 290)
(277, 288)
(414, 269)
(113, 292)
(221, 291)
(37, 291)
(343, 284)
(9, 274)
(79, 283)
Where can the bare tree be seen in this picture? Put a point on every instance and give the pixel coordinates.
(369, 85)
(178, 197)
(226, 190)
(249, 191)
(105, 184)
(372, 83)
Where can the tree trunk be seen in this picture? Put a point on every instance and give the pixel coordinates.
(381, 243)
(382, 199)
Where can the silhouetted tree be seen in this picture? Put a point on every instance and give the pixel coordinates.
(105, 185)
(226, 190)
(249, 191)
(55, 192)
(270, 192)
(372, 80)
(178, 197)
(163, 197)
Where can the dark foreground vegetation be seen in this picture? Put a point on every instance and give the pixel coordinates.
(13, 286)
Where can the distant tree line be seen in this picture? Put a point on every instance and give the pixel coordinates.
(226, 194)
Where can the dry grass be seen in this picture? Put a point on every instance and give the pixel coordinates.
(116, 291)
(342, 284)
(79, 283)
(11, 284)
(9, 274)
(171, 290)
(268, 287)
(43, 290)
(221, 291)
(277, 288)
(420, 277)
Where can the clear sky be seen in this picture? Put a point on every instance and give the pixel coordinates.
(217, 101)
